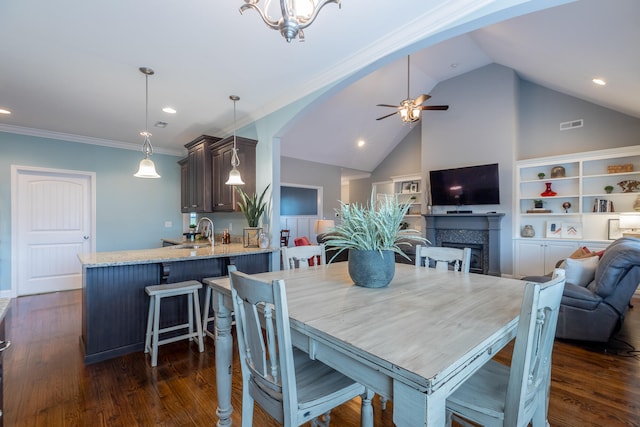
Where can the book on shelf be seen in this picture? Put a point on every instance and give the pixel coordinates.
(603, 205)
(538, 210)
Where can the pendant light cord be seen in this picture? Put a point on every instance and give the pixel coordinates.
(147, 148)
(235, 160)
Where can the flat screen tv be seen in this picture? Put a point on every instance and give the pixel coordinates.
(472, 185)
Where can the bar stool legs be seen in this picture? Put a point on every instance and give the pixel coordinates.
(156, 293)
(205, 315)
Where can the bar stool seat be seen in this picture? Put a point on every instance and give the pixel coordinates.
(156, 293)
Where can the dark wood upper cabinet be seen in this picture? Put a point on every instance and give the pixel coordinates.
(205, 170)
(185, 203)
(225, 197)
(197, 185)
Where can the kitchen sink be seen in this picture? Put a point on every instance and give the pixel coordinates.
(191, 246)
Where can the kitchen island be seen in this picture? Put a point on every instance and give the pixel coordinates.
(115, 304)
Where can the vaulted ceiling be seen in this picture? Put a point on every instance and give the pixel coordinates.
(69, 69)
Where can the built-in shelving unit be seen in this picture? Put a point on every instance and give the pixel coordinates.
(577, 206)
(408, 189)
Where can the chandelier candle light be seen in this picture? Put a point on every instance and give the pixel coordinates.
(296, 15)
(146, 169)
(234, 174)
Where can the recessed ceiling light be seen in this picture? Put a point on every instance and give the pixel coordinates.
(169, 110)
(599, 81)
(4, 111)
(361, 143)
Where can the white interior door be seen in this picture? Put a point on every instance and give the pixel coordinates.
(52, 222)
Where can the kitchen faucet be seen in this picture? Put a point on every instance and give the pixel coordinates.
(209, 233)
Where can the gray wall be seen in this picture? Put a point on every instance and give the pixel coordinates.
(294, 171)
(480, 127)
(404, 159)
(541, 111)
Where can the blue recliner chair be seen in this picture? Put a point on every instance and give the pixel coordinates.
(596, 312)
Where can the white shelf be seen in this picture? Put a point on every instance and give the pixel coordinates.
(586, 175)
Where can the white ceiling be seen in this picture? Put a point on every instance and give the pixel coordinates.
(69, 69)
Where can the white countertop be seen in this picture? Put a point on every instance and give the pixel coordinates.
(167, 254)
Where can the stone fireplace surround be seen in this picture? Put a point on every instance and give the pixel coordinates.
(477, 229)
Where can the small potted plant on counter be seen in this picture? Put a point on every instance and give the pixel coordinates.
(252, 207)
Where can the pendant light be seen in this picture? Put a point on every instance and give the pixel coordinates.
(146, 169)
(234, 174)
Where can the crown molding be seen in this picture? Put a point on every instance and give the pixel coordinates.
(83, 139)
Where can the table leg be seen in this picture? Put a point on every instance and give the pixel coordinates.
(224, 359)
(366, 410)
(413, 408)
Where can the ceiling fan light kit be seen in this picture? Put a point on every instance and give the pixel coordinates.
(296, 15)
(409, 109)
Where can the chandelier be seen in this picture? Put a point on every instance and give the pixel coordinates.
(296, 15)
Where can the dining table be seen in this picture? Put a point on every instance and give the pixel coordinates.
(414, 341)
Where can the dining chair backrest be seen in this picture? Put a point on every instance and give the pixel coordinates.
(269, 362)
(460, 259)
(530, 373)
(284, 237)
(298, 256)
(264, 339)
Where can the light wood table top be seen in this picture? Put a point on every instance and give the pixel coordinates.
(426, 332)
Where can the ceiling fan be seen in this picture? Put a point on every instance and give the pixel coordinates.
(409, 109)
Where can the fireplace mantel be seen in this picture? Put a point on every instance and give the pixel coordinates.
(488, 223)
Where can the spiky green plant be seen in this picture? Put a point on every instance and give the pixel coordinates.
(376, 226)
(252, 206)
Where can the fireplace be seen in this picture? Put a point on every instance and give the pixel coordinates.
(477, 264)
(480, 232)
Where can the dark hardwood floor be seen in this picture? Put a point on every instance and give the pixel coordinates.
(47, 384)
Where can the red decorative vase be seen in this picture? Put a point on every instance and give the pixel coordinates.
(548, 192)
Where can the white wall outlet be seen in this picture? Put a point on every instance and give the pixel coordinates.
(168, 224)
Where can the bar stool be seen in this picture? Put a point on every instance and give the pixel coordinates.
(156, 293)
(205, 315)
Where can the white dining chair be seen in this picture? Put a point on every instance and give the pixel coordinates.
(298, 256)
(283, 380)
(443, 257)
(498, 395)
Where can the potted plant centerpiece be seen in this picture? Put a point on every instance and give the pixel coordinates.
(373, 234)
(252, 207)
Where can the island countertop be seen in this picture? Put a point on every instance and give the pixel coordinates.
(167, 254)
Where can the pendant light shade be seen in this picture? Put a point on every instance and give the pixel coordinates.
(234, 174)
(146, 169)
(234, 178)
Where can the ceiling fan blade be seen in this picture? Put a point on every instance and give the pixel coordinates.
(387, 105)
(419, 100)
(435, 107)
(388, 115)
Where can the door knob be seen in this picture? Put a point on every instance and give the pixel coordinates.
(86, 237)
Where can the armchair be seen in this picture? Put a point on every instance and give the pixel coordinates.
(596, 312)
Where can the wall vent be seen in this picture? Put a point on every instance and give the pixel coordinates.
(572, 124)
